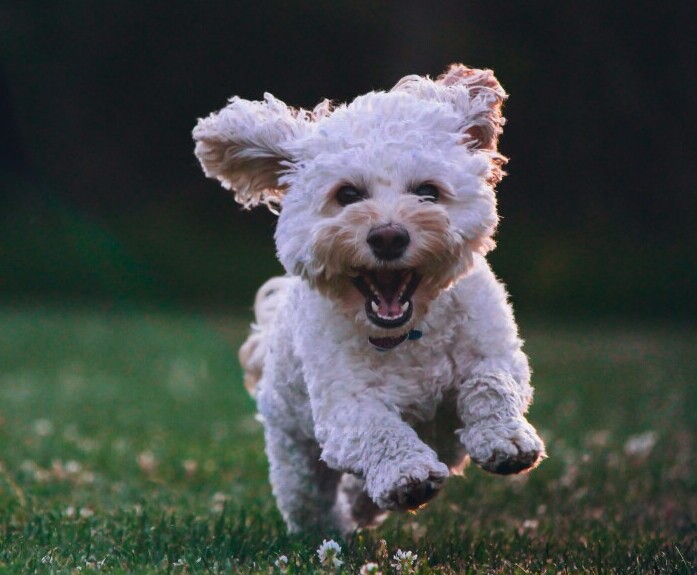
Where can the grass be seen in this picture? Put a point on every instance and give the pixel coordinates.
(128, 445)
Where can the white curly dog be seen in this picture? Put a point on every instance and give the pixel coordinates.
(389, 353)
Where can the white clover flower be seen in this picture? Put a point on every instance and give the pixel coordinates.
(640, 445)
(530, 524)
(73, 467)
(281, 563)
(92, 563)
(403, 561)
(147, 462)
(47, 559)
(182, 564)
(190, 467)
(328, 553)
(43, 427)
(370, 569)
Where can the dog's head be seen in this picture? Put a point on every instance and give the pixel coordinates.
(383, 202)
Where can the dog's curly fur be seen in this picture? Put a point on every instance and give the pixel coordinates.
(386, 210)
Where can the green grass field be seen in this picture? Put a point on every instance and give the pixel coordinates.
(128, 445)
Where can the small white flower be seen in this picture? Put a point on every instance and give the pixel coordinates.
(370, 569)
(403, 561)
(72, 467)
(530, 524)
(43, 427)
(328, 553)
(190, 467)
(640, 445)
(218, 501)
(281, 563)
(86, 512)
(47, 559)
(182, 564)
(92, 563)
(87, 477)
(147, 462)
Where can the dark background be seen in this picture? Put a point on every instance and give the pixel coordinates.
(102, 200)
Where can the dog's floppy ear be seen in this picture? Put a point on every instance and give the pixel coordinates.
(246, 146)
(475, 94)
(485, 94)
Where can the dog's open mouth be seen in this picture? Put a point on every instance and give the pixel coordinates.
(388, 295)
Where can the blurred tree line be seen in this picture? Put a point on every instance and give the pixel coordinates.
(102, 198)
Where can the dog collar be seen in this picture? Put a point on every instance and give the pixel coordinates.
(389, 343)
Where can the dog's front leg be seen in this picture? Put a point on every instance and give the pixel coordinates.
(496, 434)
(361, 435)
(494, 393)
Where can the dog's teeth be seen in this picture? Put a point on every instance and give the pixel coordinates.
(405, 306)
(374, 306)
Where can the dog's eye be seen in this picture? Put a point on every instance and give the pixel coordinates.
(427, 192)
(346, 195)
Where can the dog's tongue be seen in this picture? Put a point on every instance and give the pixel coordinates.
(388, 284)
(389, 308)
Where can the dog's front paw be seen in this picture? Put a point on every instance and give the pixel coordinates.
(411, 493)
(406, 486)
(504, 447)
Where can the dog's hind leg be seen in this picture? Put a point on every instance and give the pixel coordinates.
(304, 487)
(354, 508)
(253, 351)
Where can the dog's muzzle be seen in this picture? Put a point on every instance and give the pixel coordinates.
(388, 295)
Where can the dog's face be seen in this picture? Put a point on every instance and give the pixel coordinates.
(383, 202)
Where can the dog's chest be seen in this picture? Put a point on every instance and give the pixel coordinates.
(415, 379)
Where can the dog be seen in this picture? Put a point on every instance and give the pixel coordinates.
(388, 355)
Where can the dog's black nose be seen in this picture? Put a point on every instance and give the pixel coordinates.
(389, 241)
